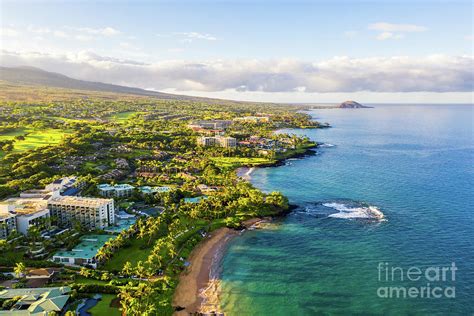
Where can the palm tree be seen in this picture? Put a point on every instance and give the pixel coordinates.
(85, 272)
(20, 269)
(127, 269)
(140, 270)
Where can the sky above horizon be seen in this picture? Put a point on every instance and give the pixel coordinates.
(281, 51)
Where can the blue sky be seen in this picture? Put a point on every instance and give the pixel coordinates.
(318, 51)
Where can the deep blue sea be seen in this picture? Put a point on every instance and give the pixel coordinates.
(413, 163)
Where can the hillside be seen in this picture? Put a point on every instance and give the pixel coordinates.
(29, 76)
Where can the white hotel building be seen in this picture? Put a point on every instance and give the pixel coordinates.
(92, 213)
(7, 223)
(28, 212)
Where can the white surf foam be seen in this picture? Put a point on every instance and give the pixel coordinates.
(326, 145)
(356, 212)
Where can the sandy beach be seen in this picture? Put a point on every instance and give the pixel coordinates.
(245, 172)
(195, 283)
(198, 287)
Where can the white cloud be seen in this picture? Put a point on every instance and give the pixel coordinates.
(66, 32)
(38, 30)
(188, 37)
(83, 37)
(175, 50)
(8, 32)
(389, 27)
(435, 73)
(388, 35)
(61, 34)
(106, 31)
(196, 35)
(394, 31)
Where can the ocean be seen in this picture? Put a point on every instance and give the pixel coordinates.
(335, 254)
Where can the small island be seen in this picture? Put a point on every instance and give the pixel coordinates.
(352, 105)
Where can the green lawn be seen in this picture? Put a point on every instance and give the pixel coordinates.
(103, 307)
(235, 162)
(34, 138)
(300, 150)
(123, 116)
(138, 250)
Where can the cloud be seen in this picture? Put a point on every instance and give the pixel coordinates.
(388, 35)
(61, 34)
(65, 32)
(196, 35)
(394, 31)
(106, 31)
(83, 38)
(188, 37)
(435, 73)
(389, 27)
(38, 30)
(8, 32)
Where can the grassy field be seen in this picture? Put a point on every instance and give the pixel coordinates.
(235, 162)
(123, 116)
(138, 250)
(33, 138)
(104, 308)
(298, 151)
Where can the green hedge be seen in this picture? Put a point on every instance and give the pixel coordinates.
(95, 288)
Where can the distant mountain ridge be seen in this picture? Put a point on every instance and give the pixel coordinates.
(34, 76)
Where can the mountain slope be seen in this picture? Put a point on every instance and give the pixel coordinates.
(39, 77)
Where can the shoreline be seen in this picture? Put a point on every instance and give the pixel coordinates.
(198, 288)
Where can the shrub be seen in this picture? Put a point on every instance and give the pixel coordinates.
(95, 288)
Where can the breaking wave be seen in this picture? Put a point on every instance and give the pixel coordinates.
(326, 145)
(355, 211)
(344, 209)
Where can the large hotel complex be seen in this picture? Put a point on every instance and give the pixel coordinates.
(91, 213)
(35, 208)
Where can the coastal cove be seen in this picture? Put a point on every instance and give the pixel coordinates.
(323, 257)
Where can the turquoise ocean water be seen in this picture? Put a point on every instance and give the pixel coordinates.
(414, 163)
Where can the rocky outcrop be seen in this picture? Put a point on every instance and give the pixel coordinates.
(352, 105)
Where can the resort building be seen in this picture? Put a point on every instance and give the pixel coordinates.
(211, 124)
(222, 141)
(92, 213)
(118, 190)
(36, 301)
(63, 184)
(83, 254)
(253, 119)
(28, 212)
(206, 141)
(39, 194)
(226, 142)
(7, 223)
